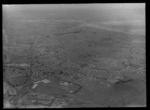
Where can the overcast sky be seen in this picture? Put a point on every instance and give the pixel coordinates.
(85, 12)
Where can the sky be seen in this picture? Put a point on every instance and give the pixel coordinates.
(83, 12)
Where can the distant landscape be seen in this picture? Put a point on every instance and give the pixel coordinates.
(92, 54)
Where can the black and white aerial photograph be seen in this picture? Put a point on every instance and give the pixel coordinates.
(74, 55)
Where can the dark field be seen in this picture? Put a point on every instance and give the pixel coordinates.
(86, 63)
